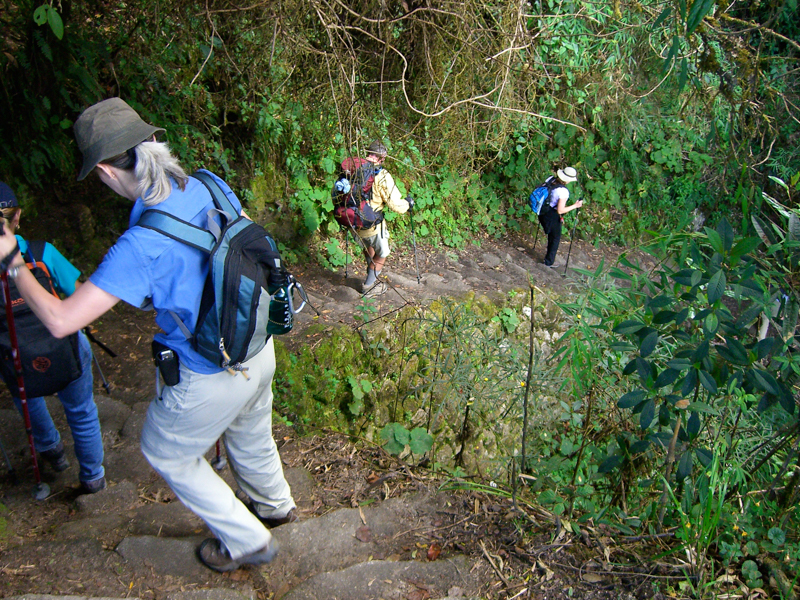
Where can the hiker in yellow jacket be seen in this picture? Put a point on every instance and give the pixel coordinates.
(376, 240)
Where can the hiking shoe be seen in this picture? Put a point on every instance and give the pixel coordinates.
(215, 556)
(376, 290)
(555, 265)
(273, 522)
(269, 522)
(92, 487)
(57, 458)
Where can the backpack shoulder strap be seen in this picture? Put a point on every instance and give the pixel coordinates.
(177, 229)
(220, 198)
(36, 250)
(35, 260)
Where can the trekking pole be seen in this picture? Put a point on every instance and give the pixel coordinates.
(106, 385)
(41, 490)
(413, 235)
(219, 461)
(571, 239)
(346, 252)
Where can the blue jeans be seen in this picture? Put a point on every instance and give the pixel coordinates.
(81, 411)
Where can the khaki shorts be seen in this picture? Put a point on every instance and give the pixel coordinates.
(379, 242)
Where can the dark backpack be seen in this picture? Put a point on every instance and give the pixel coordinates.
(542, 193)
(352, 193)
(49, 364)
(248, 295)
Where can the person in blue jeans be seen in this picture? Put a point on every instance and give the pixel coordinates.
(78, 397)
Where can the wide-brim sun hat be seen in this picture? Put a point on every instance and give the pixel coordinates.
(567, 175)
(107, 129)
(377, 148)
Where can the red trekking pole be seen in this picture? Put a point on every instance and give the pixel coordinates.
(41, 490)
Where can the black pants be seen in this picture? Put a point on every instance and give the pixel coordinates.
(550, 221)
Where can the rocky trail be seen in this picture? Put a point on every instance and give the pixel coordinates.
(370, 527)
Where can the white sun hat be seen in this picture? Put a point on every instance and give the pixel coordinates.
(568, 175)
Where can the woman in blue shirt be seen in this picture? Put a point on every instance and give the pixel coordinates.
(77, 398)
(148, 269)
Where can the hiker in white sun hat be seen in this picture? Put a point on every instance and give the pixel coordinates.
(550, 216)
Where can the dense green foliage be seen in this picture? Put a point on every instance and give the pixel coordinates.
(663, 106)
(674, 418)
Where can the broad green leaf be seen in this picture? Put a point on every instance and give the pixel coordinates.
(631, 399)
(659, 302)
(689, 382)
(662, 17)
(701, 352)
(777, 536)
(765, 381)
(548, 496)
(56, 24)
(673, 52)
(693, 425)
(649, 344)
(716, 286)
(640, 446)
(647, 414)
(629, 326)
(707, 381)
(420, 441)
(704, 455)
(714, 239)
(608, 465)
(744, 246)
(679, 364)
(685, 465)
(733, 352)
(725, 232)
(395, 438)
(40, 14)
(667, 377)
(711, 324)
(699, 10)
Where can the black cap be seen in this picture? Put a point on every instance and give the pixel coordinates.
(7, 197)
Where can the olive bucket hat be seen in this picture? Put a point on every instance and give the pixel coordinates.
(107, 129)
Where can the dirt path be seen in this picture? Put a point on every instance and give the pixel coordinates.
(134, 539)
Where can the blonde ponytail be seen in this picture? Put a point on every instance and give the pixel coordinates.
(155, 167)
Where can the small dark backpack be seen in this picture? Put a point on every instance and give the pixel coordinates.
(352, 193)
(248, 295)
(542, 193)
(49, 364)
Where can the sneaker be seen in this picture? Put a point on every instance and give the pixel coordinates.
(555, 265)
(215, 556)
(269, 522)
(92, 487)
(56, 457)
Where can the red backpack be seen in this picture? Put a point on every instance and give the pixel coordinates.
(352, 193)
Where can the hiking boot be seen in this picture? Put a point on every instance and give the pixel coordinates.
(215, 556)
(92, 487)
(56, 457)
(268, 522)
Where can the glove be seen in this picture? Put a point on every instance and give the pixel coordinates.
(410, 201)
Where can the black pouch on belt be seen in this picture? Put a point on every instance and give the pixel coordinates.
(167, 362)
